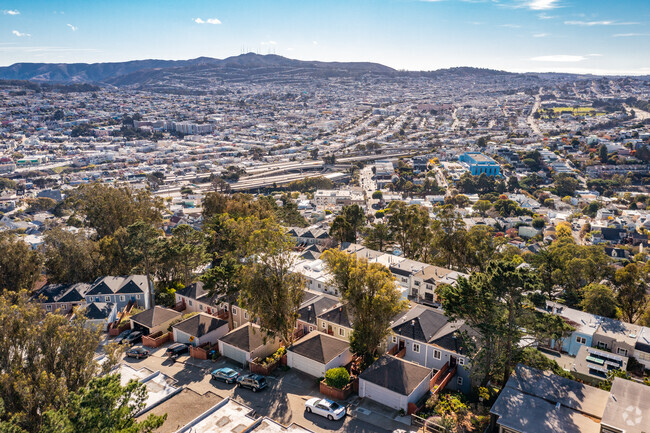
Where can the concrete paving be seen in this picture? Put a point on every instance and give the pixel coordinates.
(283, 401)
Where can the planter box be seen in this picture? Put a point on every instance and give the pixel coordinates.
(115, 331)
(202, 352)
(335, 393)
(156, 340)
(264, 370)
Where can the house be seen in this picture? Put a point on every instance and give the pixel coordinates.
(426, 337)
(642, 347)
(584, 325)
(535, 401)
(618, 337)
(246, 343)
(120, 291)
(62, 297)
(197, 299)
(336, 322)
(317, 352)
(99, 314)
(394, 382)
(200, 329)
(310, 310)
(153, 320)
(231, 416)
(427, 279)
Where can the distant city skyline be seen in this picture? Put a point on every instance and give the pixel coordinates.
(578, 36)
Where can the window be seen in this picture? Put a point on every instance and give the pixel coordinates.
(323, 325)
(621, 351)
(459, 381)
(201, 307)
(107, 298)
(416, 348)
(225, 307)
(137, 296)
(121, 297)
(190, 302)
(404, 280)
(461, 361)
(48, 308)
(97, 299)
(311, 328)
(393, 339)
(342, 332)
(602, 345)
(437, 354)
(581, 340)
(234, 311)
(245, 315)
(319, 285)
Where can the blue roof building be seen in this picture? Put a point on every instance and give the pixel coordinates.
(479, 164)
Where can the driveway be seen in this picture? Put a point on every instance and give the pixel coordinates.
(283, 400)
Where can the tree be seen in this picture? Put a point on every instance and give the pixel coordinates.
(410, 228)
(188, 245)
(599, 299)
(449, 238)
(43, 357)
(103, 406)
(496, 304)
(602, 154)
(143, 248)
(482, 206)
(377, 195)
(538, 223)
(632, 282)
(372, 297)
(236, 206)
(563, 231)
(108, 208)
(611, 375)
(70, 257)
(269, 289)
(378, 236)
(20, 266)
(566, 184)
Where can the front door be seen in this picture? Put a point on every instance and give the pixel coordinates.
(452, 361)
(400, 345)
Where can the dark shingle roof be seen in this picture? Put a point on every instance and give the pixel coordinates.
(155, 316)
(247, 337)
(338, 315)
(310, 310)
(200, 325)
(319, 347)
(98, 310)
(420, 323)
(61, 293)
(395, 374)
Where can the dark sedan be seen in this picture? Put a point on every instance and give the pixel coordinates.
(137, 352)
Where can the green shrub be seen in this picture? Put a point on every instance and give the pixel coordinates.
(337, 377)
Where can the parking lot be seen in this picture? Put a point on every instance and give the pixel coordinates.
(283, 400)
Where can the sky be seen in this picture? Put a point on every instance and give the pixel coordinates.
(580, 36)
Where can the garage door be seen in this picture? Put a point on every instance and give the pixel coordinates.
(382, 396)
(305, 365)
(235, 354)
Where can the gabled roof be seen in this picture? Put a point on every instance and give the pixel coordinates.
(98, 310)
(420, 323)
(247, 337)
(155, 316)
(200, 325)
(134, 284)
(319, 347)
(61, 293)
(112, 285)
(310, 310)
(396, 374)
(337, 315)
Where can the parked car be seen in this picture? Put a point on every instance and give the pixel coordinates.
(255, 382)
(175, 350)
(324, 407)
(120, 338)
(137, 352)
(225, 374)
(132, 338)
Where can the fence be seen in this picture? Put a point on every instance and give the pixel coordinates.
(114, 330)
(335, 393)
(203, 351)
(157, 339)
(263, 369)
(427, 425)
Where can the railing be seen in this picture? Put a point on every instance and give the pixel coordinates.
(426, 425)
(180, 306)
(445, 381)
(438, 375)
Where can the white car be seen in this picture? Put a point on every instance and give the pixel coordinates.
(327, 408)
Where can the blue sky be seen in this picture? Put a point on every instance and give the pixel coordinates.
(599, 36)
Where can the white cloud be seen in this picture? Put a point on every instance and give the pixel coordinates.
(545, 17)
(73, 28)
(564, 58)
(19, 34)
(315, 42)
(511, 26)
(11, 12)
(599, 23)
(540, 35)
(268, 43)
(542, 5)
(594, 55)
(207, 21)
(629, 35)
